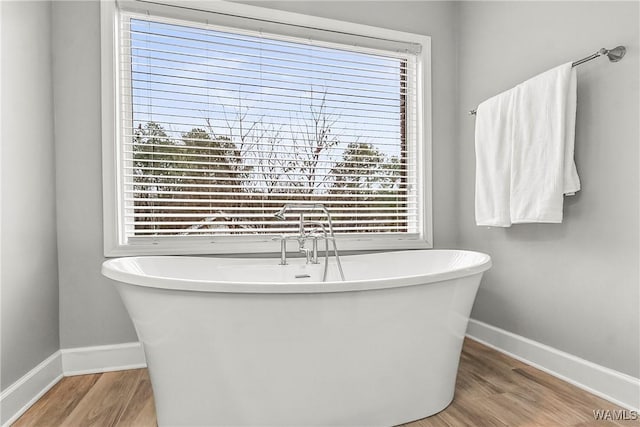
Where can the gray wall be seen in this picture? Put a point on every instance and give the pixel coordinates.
(573, 286)
(90, 310)
(28, 244)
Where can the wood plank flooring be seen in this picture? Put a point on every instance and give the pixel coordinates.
(492, 390)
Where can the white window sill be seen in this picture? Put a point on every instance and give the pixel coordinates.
(242, 246)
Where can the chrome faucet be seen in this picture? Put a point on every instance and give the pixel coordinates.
(320, 232)
(311, 254)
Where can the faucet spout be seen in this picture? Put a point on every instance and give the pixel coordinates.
(280, 213)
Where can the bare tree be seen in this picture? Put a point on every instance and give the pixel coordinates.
(312, 138)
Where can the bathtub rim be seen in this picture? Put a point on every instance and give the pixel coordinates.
(110, 270)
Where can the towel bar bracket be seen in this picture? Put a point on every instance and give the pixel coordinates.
(617, 53)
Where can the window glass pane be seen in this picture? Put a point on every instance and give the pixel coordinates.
(220, 129)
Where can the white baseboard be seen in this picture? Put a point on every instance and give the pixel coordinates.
(614, 386)
(23, 393)
(103, 358)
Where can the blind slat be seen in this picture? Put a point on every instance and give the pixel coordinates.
(135, 178)
(249, 231)
(250, 222)
(278, 202)
(268, 210)
(292, 195)
(260, 150)
(251, 176)
(179, 142)
(337, 217)
(227, 167)
(344, 191)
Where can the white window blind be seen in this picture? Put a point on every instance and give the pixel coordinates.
(221, 127)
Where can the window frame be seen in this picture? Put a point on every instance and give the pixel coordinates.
(115, 242)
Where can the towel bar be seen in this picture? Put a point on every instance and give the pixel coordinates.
(614, 55)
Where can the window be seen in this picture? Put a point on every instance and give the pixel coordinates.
(218, 119)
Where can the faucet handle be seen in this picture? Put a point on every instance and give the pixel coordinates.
(308, 254)
(281, 237)
(283, 248)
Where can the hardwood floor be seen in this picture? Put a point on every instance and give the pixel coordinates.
(492, 390)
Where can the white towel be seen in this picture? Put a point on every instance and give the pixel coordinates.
(542, 164)
(494, 134)
(524, 151)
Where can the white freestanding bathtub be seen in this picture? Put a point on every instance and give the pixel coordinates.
(248, 342)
